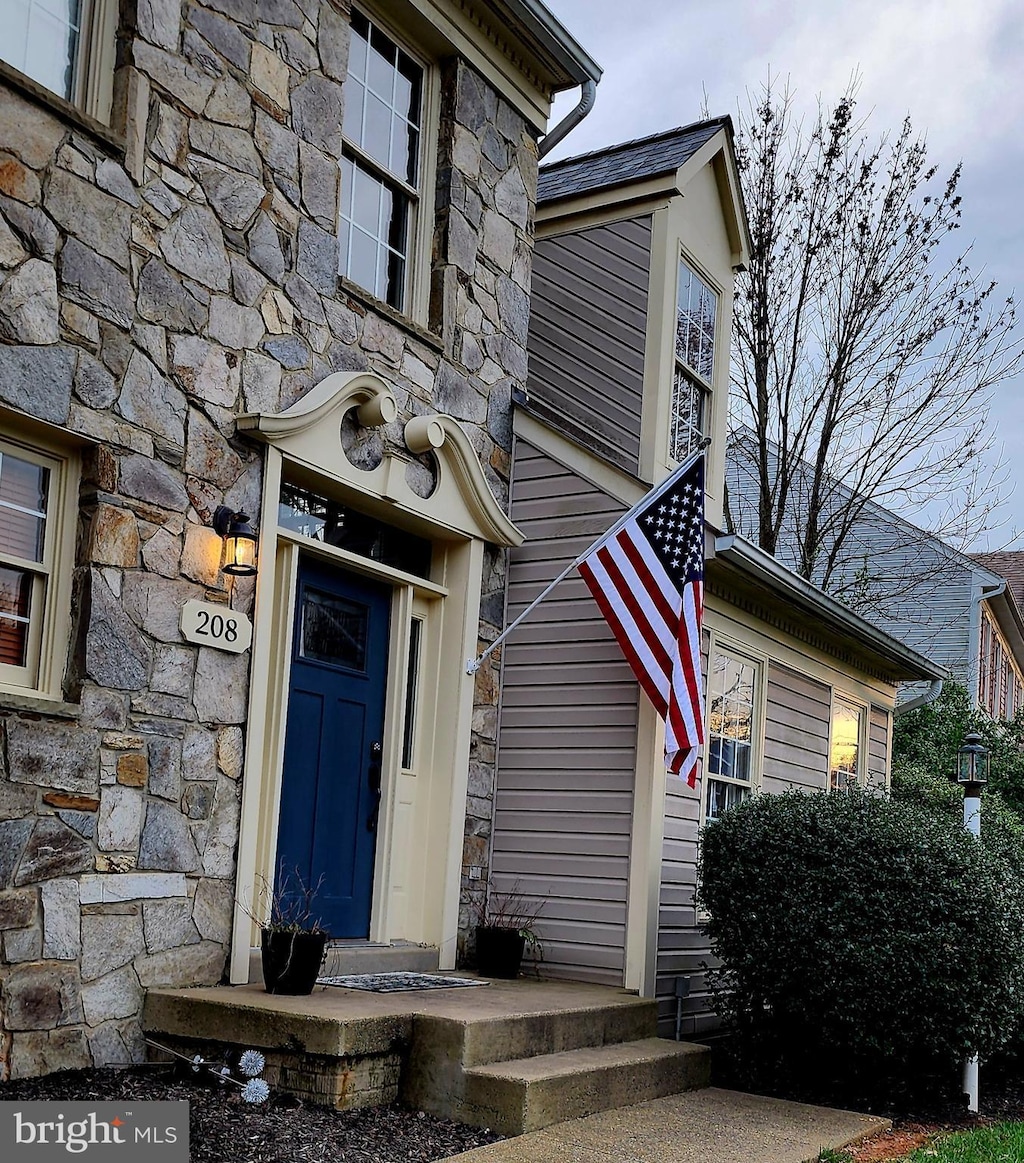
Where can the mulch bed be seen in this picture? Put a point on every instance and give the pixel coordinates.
(223, 1129)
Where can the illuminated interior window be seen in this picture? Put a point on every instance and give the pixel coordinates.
(845, 755)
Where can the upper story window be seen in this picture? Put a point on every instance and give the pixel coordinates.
(696, 313)
(381, 166)
(847, 748)
(67, 46)
(732, 729)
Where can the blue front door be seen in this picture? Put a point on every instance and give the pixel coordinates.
(331, 784)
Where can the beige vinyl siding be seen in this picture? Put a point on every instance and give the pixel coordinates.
(796, 731)
(878, 746)
(682, 948)
(588, 327)
(567, 743)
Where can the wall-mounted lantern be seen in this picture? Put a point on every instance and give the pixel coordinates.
(239, 542)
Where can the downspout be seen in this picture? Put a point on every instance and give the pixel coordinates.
(929, 696)
(588, 95)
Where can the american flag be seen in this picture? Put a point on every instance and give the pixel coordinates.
(647, 576)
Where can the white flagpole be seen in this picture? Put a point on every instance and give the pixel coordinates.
(474, 664)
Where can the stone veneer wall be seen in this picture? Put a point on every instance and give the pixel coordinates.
(148, 295)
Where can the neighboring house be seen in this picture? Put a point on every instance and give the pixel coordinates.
(1001, 641)
(953, 608)
(195, 312)
(636, 251)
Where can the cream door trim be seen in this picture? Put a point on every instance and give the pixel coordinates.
(309, 432)
(459, 517)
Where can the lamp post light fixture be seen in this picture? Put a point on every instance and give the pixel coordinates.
(972, 767)
(972, 771)
(239, 542)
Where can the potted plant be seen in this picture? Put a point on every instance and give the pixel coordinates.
(505, 932)
(292, 940)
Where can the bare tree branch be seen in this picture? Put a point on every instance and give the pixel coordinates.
(865, 348)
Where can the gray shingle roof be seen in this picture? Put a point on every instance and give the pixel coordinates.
(631, 161)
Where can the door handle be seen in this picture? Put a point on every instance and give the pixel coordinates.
(373, 775)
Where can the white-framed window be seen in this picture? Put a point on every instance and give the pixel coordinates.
(382, 166)
(696, 320)
(67, 46)
(36, 540)
(847, 743)
(733, 711)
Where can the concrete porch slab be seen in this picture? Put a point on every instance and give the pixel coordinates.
(695, 1127)
(346, 1048)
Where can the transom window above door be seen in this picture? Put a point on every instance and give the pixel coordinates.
(380, 167)
(696, 315)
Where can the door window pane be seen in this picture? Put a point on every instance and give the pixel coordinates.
(333, 630)
(412, 684)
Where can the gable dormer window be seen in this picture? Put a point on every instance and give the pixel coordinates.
(380, 167)
(696, 314)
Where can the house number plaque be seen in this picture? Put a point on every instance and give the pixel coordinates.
(209, 624)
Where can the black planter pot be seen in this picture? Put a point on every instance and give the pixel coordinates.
(291, 961)
(499, 952)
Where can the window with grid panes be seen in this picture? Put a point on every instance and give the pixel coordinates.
(696, 314)
(67, 46)
(844, 766)
(732, 693)
(28, 487)
(380, 167)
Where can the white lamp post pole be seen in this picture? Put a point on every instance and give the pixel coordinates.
(972, 775)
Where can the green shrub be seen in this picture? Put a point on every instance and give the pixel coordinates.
(927, 740)
(863, 940)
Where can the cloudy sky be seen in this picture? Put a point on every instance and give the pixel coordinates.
(955, 68)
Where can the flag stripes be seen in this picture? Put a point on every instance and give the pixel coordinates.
(647, 578)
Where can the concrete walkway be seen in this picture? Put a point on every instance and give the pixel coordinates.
(700, 1126)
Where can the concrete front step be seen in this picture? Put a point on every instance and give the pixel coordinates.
(527, 1094)
(511, 1055)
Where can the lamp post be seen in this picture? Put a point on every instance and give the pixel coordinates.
(972, 768)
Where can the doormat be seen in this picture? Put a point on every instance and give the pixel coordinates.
(398, 982)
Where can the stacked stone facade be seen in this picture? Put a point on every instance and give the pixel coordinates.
(156, 282)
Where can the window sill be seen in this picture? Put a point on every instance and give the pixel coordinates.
(365, 299)
(53, 708)
(112, 142)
